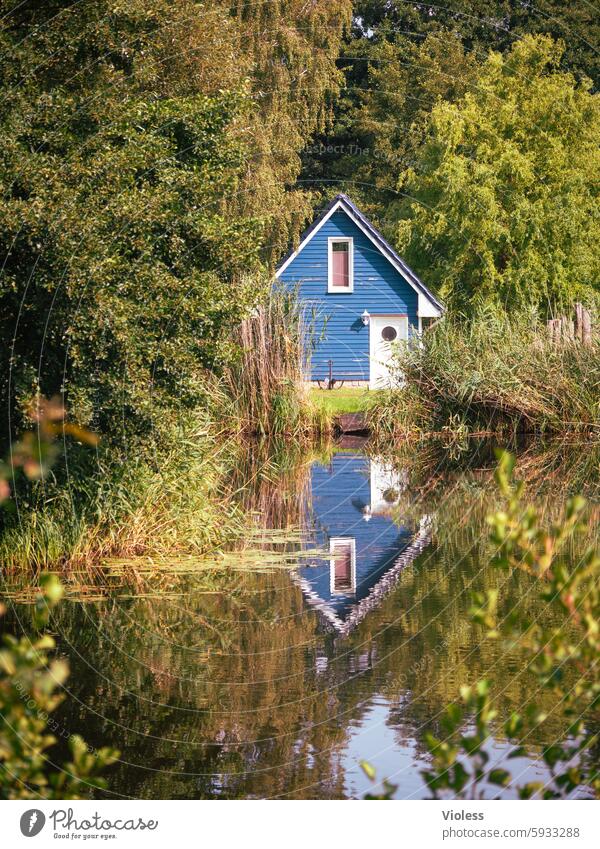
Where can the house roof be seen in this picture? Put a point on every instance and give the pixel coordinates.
(376, 594)
(342, 201)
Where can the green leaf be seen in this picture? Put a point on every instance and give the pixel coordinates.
(513, 725)
(368, 770)
(519, 752)
(500, 777)
(553, 754)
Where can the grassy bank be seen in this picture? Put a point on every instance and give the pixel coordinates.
(335, 402)
(172, 492)
(493, 375)
(161, 499)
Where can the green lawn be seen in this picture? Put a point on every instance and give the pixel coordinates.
(337, 401)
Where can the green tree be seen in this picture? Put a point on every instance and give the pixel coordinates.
(400, 59)
(386, 113)
(289, 49)
(503, 198)
(122, 253)
(148, 151)
(482, 25)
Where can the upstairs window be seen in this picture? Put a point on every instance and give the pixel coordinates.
(340, 276)
(342, 565)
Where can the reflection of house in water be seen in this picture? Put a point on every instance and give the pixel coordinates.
(351, 518)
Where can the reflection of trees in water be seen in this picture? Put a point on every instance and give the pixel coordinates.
(265, 700)
(246, 699)
(241, 691)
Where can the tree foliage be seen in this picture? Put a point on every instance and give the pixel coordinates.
(496, 24)
(401, 59)
(148, 150)
(119, 248)
(289, 49)
(503, 197)
(383, 118)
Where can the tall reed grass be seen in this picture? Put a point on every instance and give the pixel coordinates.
(493, 374)
(173, 494)
(172, 498)
(267, 384)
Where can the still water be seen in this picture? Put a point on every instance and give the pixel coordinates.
(277, 683)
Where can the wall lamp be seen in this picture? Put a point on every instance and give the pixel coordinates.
(365, 318)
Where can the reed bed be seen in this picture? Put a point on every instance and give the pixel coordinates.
(152, 502)
(493, 375)
(174, 494)
(268, 383)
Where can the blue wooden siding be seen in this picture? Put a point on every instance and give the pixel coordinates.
(378, 287)
(339, 491)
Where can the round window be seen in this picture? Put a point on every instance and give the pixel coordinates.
(388, 334)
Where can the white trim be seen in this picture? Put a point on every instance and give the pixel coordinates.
(426, 308)
(332, 544)
(377, 592)
(293, 256)
(393, 317)
(423, 299)
(340, 290)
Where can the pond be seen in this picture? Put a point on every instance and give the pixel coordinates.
(277, 682)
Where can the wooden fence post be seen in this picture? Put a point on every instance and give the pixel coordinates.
(586, 327)
(583, 324)
(579, 321)
(562, 329)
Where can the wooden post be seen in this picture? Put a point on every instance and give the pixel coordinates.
(586, 327)
(579, 322)
(562, 330)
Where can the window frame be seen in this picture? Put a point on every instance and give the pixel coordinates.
(349, 542)
(340, 290)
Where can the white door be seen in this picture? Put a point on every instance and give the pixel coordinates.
(385, 331)
(387, 485)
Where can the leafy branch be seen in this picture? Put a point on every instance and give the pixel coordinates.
(562, 658)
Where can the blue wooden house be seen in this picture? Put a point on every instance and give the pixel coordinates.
(364, 297)
(352, 516)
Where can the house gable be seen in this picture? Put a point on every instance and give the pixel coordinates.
(380, 548)
(429, 305)
(382, 286)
